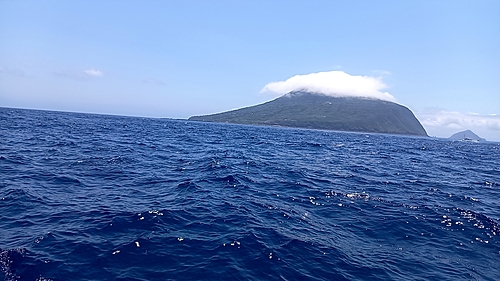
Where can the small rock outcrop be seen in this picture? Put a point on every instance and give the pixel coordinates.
(466, 135)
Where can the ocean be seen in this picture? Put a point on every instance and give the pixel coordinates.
(99, 197)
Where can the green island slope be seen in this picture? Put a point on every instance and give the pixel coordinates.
(316, 111)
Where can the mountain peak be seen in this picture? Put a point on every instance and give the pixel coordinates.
(309, 94)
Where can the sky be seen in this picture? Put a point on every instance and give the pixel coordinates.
(176, 59)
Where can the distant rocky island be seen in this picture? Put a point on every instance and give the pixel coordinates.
(466, 135)
(316, 111)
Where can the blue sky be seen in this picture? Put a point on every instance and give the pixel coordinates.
(182, 58)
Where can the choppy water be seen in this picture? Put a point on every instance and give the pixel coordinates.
(92, 197)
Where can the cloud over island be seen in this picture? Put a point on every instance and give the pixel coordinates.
(332, 83)
(445, 123)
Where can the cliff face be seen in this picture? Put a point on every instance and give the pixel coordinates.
(314, 111)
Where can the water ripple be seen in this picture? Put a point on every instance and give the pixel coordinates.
(93, 197)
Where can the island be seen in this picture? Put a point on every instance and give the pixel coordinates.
(466, 135)
(317, 111)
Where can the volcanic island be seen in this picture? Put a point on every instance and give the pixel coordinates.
(301, 109)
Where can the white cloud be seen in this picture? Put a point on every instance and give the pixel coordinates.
(332, 83)
(12, 71)
(445, 123)
(93, 72)
(382, 72)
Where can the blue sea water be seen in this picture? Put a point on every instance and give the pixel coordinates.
(95, 197)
